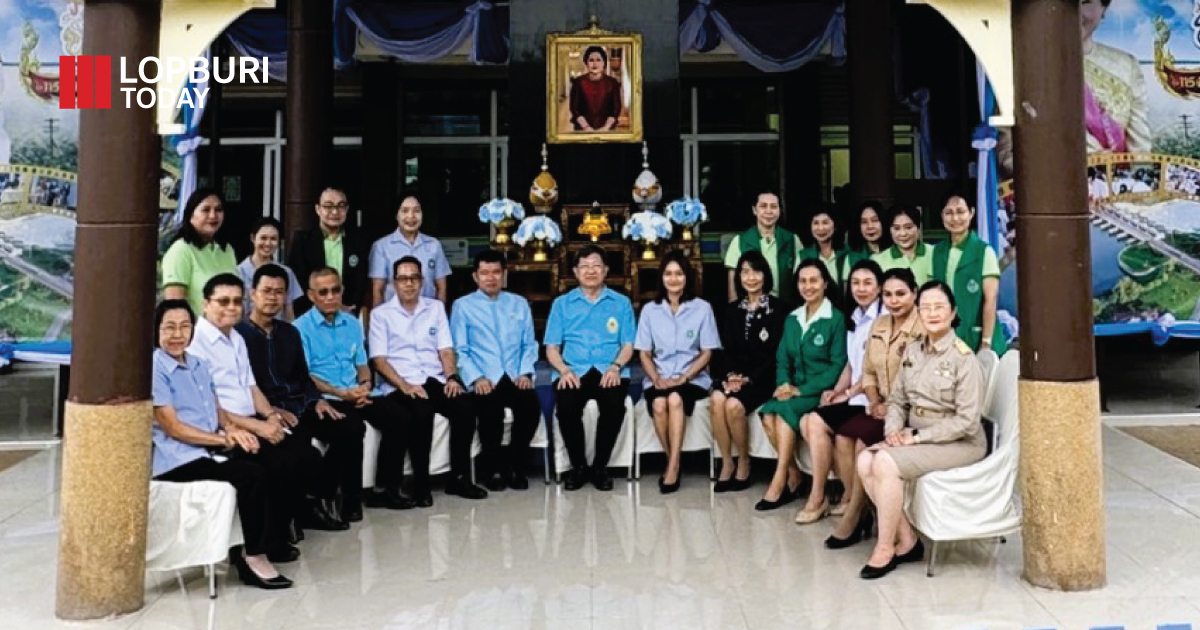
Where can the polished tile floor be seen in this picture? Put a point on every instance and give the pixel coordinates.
(633, 559)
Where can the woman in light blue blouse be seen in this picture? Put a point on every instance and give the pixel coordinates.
(194, 440)
(676, 336)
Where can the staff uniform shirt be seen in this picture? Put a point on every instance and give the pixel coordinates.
(885, 350)
(246, 270)
(333, 350)
(921, 264)
(991, 266)
(229, 363)
(277, 360)
(676, 339)
(590, 334)
(493, 337)
(192, 267)
(770, 249)
(189, 390)
(856, 345)
(410, 341)
(387, 250)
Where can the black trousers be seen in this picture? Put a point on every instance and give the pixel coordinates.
(388, 418)
(418, 416)
(570, 404)
(527, 413)
(341, 469)
(259, 504)
(294, 468)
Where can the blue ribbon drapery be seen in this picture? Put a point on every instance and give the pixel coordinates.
(186, 143)
(990, 218)
(770, 36)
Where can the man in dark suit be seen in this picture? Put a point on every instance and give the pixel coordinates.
(330, 244)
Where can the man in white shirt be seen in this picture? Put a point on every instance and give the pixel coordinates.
(412, 350)
(287, 445)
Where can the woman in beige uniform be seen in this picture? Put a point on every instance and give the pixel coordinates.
(932, 424)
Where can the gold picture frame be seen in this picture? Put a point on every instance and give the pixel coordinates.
(620, 79)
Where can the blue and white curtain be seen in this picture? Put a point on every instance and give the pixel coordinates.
(991, 219)
(771, 36)
(186, 143)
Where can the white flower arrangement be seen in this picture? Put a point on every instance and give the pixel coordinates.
(538, 228)
(687, 212)
(498, 210)
(648, 227)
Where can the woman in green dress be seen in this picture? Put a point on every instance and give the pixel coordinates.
(969, 266)
(909, 251)
(809, 361)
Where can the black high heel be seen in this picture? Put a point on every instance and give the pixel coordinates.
(833, 542)
(787, 496)
(237, 558)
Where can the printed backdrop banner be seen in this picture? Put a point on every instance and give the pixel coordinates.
(38, 163)
(1142, 114)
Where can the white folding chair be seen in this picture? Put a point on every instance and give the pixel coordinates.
(623, 452)
(697, 435)
(981, 500)
(191, 524)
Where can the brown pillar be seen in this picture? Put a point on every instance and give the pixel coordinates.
(1061, 473)
(309, 110)
(106, 462)
(869, 52)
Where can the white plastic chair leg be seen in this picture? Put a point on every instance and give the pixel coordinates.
(933, 547)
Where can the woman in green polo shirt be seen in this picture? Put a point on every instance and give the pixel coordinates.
(871, 237)
(970, 267)
(809, 361)
(823, 232)
(908, 251)
(199, 251)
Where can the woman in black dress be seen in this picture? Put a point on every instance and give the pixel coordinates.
(744, 372)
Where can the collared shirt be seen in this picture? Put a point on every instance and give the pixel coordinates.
(939, 391)
(921, 264)
(229, 364)
(333, 250)
(189, 390)
(493, 337)
(277, 359)
(246, 270)
(333, 350)
(590, 334)
(885, 350)
(769, 248)
(824, 311)
(750, 338)
(410, 341)
(676, 339)
(856, 344)
(192, 267)
(991, 266)
(387, 250)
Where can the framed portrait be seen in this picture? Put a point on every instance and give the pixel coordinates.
(594, 80)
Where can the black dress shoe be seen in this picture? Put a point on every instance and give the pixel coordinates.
(668, 488)
(833, 542)
(389, 499)
(352, 514)
(601, 479)
(319, 517)
(574, 479)
(724, 485)
(916, 554)
(461, 487)
(518, 481)
(423, 499)
(785, 498)
(284, 554)
(496, 483)
(250, 578)
(741, 484)
(295, 534)
(874, 573)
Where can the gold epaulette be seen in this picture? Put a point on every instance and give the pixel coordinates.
(962, 346)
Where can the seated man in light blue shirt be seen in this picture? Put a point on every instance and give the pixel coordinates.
(589, 341)
(493, 336)
(412, 350)
(335, 349)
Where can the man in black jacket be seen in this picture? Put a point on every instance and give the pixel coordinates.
(330, 244)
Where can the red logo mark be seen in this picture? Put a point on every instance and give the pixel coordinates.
(85, 82)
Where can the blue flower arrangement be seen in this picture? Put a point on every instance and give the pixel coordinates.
(538, 228)
(498, 210)
(647, 227)
(687, 212)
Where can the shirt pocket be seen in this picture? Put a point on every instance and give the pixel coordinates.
(944, 390)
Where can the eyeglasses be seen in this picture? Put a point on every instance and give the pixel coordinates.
(172, 330)
(328, 291)
(590, 267)
(407, 279)
(341, 207)
(225, 301)
(933, 308)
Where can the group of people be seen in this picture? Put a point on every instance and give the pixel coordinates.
(882, 390)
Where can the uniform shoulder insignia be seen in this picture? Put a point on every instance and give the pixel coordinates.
(962, 346)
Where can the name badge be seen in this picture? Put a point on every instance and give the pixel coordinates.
(691, 334)
(432, 331)
(819, 340)
(432, 263)
(612, 325)
(353, 260)
(764, 335)
(972, 286)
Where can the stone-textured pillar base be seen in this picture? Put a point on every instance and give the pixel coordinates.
(1062, 485)
(105, 489)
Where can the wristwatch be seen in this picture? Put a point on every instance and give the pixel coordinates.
(916, 433)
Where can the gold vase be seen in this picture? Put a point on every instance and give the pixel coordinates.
(539, 250)
(648, 251)
(502, 230)
(687, 233)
